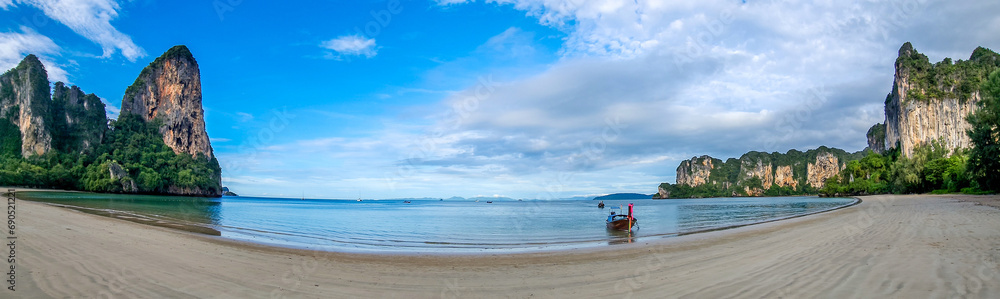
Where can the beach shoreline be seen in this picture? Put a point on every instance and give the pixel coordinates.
(154, 219)
(65, 253)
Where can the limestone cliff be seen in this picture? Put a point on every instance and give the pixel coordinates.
(694, 172)
(757, 168)
(757, 174)
(119, 175)
(930, 102)
(876, 138)
(783, 177)
(169, 89)
(163, 105)
(79, 119)
(24, 102)
(826, 166)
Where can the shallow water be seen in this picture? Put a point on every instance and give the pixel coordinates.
(426, 226)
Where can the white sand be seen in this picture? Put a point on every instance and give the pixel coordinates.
(889, 246)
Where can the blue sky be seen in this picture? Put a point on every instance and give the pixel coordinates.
(518, 98)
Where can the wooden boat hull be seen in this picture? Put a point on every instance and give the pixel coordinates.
(622, 224)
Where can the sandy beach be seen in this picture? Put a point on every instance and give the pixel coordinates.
(921, 246)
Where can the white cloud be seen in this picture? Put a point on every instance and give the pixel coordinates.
(351, 45)
(689, 78)
(4, 4)
(244, 117)
(92, 20)
(14, 46)
(637, 88)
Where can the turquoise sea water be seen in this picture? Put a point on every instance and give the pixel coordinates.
(426, 226)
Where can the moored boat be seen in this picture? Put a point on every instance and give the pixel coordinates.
(623, 222)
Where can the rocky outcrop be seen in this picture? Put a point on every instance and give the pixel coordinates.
(169, 90)
(783, 177)
(757, 174)
(79, 120)
(694, 172)
(930, 102)
(165, 98)
(757, 169)
(662, 193)
(826, 166)
(876, 138)
(24, 102)
(119, 174)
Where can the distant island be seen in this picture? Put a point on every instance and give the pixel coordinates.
(936, 138)
(61, 138)
(618, 196)
(226, 192)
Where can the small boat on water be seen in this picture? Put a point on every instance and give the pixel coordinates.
(489, 202)
(600, 204)
(619, 221)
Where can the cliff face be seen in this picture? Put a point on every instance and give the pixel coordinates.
(694, 172)
(826, 166)
(930, 102)
(756, 173)
(784, 177)
(759, 168)
(164, 104)
(24, 102)
(79, 121)
(876, 138)
(169, 89)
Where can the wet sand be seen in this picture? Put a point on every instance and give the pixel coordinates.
(899, 246)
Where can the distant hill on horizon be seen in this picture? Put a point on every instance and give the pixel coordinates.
(618, 196)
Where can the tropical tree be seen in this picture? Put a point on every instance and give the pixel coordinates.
(984, 158)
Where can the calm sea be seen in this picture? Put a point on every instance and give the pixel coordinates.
(431, 226)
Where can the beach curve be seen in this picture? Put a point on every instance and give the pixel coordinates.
(901, 246)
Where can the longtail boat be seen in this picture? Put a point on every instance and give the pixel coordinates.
(624, 222)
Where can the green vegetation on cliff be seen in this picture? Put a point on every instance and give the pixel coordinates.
(933, 167)
(135, 145)
(10, 140)
(78, 119)
(946, 79)
(743, 176)
(89, 152)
